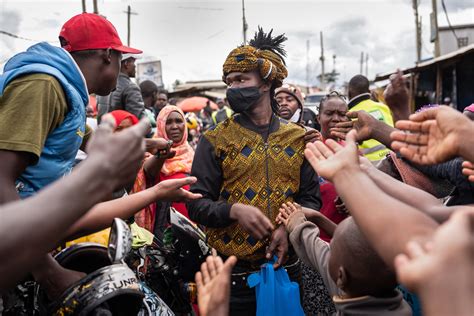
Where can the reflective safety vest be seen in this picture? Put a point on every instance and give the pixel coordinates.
(221, 115)
(372, 149)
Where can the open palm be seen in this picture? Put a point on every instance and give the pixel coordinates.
(434, 136)
(330, 158)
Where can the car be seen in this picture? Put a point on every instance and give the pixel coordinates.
(312, 101)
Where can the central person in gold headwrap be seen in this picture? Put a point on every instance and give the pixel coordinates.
(250, 164)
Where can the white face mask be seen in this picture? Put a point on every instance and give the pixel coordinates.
(295, 118)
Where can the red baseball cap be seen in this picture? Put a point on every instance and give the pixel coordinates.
(91, 31)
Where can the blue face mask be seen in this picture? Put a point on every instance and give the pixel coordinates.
(242, 99)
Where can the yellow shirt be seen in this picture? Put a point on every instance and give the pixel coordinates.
(372, 149)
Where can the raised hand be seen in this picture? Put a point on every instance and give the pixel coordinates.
(119, 154)
(213, 285)
(361, 121)
(397, 97)
(330, 158)
(432, 136)
(172, 190)
(252, 220)
(285, 212)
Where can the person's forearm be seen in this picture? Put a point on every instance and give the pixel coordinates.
(381, 133)
(403, 192)
(38, 223)
(210, 213)
(102, 214)
(376, 212)
(152, 166)
(324, 223)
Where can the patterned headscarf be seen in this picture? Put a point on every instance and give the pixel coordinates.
(264, 54)
(183, 159)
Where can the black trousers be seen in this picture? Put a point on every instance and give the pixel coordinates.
(242, 298)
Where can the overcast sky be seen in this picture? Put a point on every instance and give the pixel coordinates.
(192, 38)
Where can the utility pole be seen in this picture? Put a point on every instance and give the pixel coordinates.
(84, 10)
(323, 79)
(367, 65)
(418, 31)
(361, 62)
(307, 66)
(434, 27)
(96, 8)
(129, 13)
(244, 23)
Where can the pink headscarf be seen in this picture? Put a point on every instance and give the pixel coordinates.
(469, 108)
(183, 160)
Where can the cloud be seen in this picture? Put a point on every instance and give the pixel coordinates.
(10, 21)
(49, 23)
(451, 5)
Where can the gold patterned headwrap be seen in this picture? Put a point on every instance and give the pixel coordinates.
(248, 58)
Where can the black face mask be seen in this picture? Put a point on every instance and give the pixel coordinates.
(242, 99)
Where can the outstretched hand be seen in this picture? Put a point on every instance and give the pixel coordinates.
(330, 158)
(286, 211)
(432, 136)
(361, 121)
(172, 190)
(119, 154)
(213, 285)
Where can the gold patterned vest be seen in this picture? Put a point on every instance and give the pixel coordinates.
(255, 173)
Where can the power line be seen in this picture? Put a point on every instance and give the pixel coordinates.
(23, 38)
(447, 18)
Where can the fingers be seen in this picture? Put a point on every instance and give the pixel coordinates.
(212, 266)
(323, 149)
(335, 147)
(339, 135)
(352, 115)
(206, 276)
(414, 250)
(292, 207)
(229, 264)
(351, 138)
(271, 248)
(262, 228)
(401, 261)
(141, 129)
(179, 183)
(347, 124)
(107, 123)
(199, 281)
(429, 114)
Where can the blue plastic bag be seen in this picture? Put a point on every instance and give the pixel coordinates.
(276, 294)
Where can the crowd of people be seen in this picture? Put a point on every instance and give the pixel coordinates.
(371, 214)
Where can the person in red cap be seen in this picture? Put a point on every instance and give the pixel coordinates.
(127, 95)
(43, 97)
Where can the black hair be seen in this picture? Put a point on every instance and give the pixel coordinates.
(359, 84)
(148, 88)
(265, 41)
(367, 272)
(330, 95)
